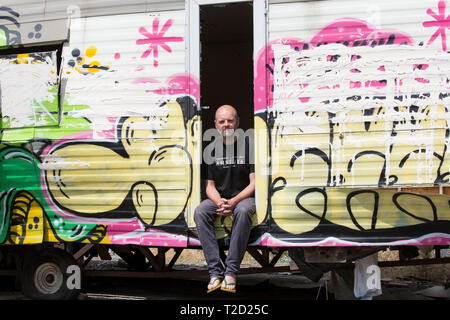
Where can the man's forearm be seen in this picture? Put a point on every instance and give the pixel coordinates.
(213, 194)
(247, 192)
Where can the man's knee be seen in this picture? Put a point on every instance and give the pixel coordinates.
(245, 207)
(244, 212)
(203, 211)
(199, 214)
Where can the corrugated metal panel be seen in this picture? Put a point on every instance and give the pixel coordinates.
(122, 149)
(119, 168)
(358, 94)
(120, 60)
(22, 11)
(351, 92)
(359, 159)
(39, 10)
(57, 9)
(304, 19)
(38, 21)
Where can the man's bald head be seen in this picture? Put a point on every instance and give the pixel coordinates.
(226, 109)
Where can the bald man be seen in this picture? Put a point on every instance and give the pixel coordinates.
(230, 188)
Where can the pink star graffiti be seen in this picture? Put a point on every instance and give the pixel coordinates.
(156, 39)
(441, 23)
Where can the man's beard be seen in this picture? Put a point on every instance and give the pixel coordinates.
(228, 133)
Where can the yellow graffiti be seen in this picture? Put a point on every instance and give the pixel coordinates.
(91, 51)
(349, 174)
(261, 169)
(92, 66)
(152, 166)
(27, 216)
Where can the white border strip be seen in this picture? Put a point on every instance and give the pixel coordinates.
(422, 240)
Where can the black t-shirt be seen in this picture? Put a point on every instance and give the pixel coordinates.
(230, 170)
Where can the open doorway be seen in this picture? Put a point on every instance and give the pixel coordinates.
(226, 62)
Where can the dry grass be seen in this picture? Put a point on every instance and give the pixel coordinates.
(438, 273)
(195, 257)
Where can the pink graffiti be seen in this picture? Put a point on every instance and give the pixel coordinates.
(355, 32)
(156, 40)
(348, 31)
(441, 22)
(145, 80)
(121, 233)
(368, 84)
(177, 84)
(263, 72)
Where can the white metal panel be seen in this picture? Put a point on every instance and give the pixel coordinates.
(22, 10)
(38, 10)
(80, 8)
(304, 19)
(40, 21)
(127, 68)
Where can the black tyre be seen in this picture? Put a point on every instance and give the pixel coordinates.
(47, 276)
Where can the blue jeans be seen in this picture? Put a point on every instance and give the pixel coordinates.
(204, 217)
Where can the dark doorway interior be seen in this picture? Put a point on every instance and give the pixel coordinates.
(226, 65)
(226, 62)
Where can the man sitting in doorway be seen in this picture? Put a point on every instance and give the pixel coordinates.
(230, 188)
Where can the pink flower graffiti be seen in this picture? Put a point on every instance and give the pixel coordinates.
(156, 39)
(441, 23)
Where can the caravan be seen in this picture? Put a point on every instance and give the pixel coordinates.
(105, 106)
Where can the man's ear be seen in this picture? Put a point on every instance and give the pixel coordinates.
(237, 122)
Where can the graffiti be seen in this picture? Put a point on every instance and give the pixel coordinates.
(37, 32)
(178, 84)
(441, 23)
(23, 203)
(133, 152)
(346, 117)
(78, 62)
(156, 39)
(354, 109)
(9, 32)
(26, 218)
(66, 176)
(397, 104)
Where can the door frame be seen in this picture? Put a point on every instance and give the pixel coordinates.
(260, 36)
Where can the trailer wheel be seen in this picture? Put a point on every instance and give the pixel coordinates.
(46, 276)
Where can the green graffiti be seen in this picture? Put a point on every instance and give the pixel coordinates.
(3, 38)
(20, 172)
